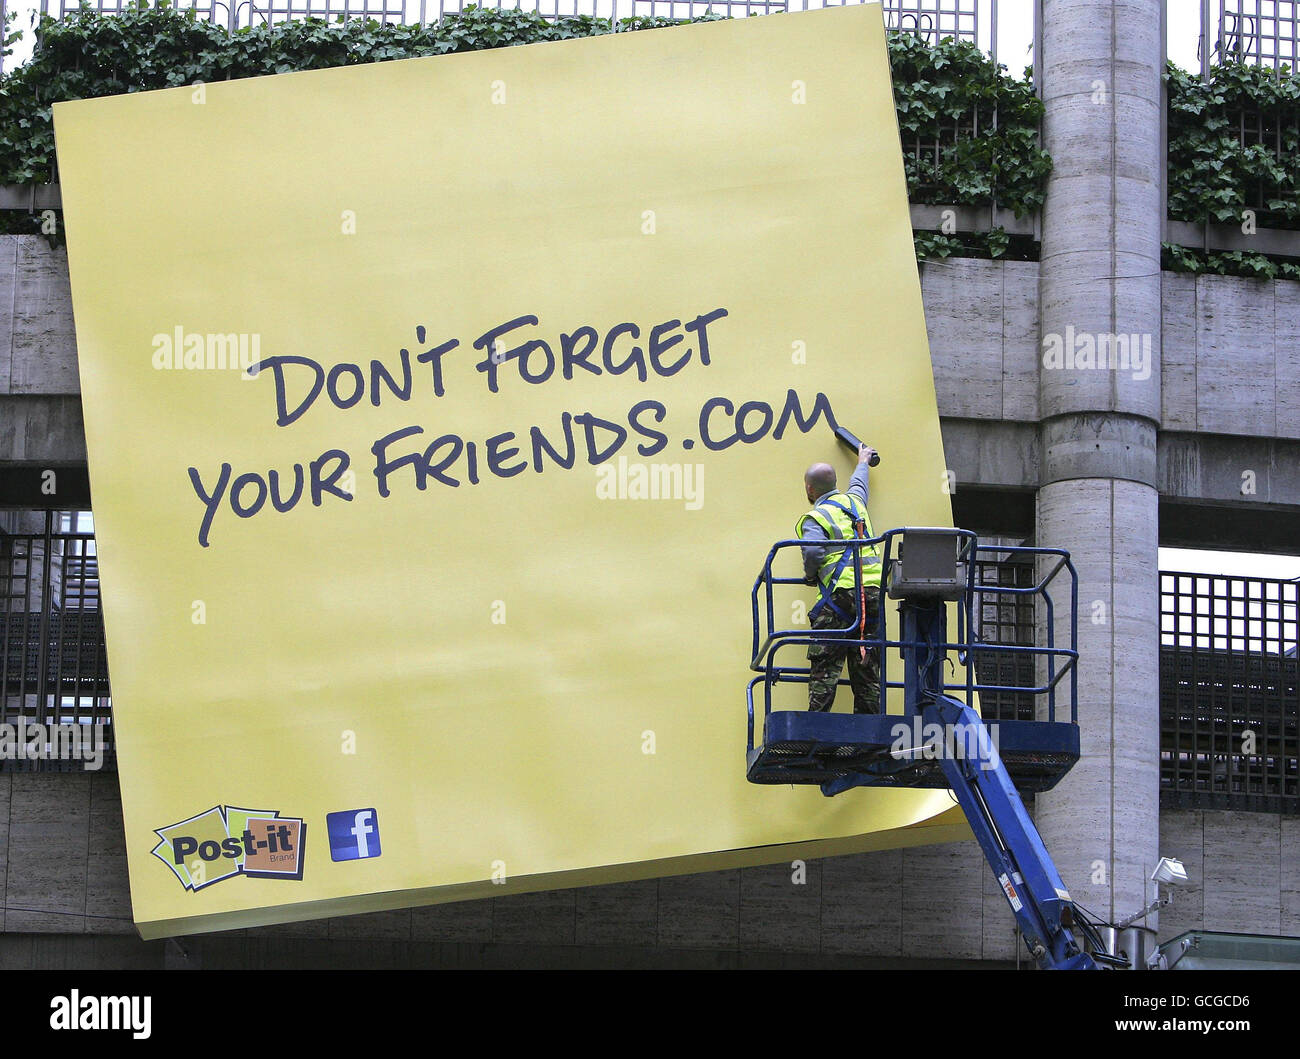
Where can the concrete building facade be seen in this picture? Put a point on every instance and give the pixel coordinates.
(1110, 464)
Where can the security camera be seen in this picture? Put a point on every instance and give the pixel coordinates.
(1170, 872)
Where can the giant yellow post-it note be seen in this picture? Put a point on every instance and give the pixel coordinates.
(450, 598)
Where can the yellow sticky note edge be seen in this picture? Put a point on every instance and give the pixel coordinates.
(536, 673)
(948, 826)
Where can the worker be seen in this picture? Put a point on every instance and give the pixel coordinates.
(843, 603)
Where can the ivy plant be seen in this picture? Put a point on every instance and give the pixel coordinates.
(1234, 145)
(969, 130)
(947, 94)
(1175, 258)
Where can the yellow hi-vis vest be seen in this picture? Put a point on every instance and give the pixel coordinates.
(832, 514)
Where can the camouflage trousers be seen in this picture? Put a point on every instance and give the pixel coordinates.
(827, 660)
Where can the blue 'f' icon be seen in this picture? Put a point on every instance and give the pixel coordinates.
(354, 834)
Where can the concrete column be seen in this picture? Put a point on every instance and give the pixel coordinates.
(1099, 395)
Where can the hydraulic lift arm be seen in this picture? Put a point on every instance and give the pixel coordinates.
(1011, 844)
(984, 789)
(841, 752)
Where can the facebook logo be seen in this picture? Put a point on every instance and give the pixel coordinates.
(354, 834)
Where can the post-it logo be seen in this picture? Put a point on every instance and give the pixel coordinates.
(354, 834)
(226, 841)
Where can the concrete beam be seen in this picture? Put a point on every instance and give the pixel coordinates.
(972, 219)
(1277, 241)
(1246, 472)
(991, 453)
(31, 197)
(41, 429)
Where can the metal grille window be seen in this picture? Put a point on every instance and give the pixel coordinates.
(1228, 693)
(945, 145)
(931, 157)
(1005, 619)
(237, 14)
(275, 11)
(211, 10)
(675, 8)
(1270, 131)
(932, 20)
(1260, 32)
(54, 693)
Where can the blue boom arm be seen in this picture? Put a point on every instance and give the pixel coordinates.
(840, 752)
(1009, 839)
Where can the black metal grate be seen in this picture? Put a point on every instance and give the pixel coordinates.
(1005, 619)
(1229, 705)
(1260, 32)
(1274, 132)
(934, 20)
(53, 668)
(1229, 688)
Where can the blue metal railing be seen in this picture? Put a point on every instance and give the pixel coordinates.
(1061, 662)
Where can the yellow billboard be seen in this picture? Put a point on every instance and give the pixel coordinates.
(448, 596)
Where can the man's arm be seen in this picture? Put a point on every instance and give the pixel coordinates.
(812, 555)
(858, 483)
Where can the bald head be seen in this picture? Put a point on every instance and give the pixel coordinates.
(818, 480)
